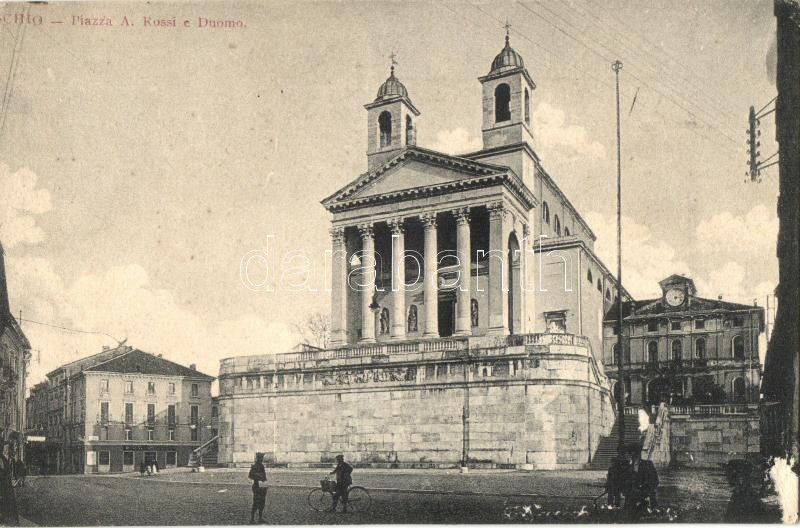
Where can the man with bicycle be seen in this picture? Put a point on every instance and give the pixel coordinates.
(344, 479)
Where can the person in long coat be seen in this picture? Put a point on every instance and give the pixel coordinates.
(258, 474)
(344, 479)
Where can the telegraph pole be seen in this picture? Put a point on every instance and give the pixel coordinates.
(617, 66)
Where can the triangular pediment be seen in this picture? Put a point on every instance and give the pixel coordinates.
(410, 174)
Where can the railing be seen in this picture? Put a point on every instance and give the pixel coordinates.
(715, 410)
(654, 432)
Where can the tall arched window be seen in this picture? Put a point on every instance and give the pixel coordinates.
(589, 276)
(557, 225)
(546, 213)
(738, 347)
(385, 126)
(566, 231)
(739, 390)
(527, 107)
(410, 131)
(502, 100)
(599, 286)
(677, 350)
(652, 352)
(700, 348)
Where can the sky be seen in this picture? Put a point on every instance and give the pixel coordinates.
(139, 164)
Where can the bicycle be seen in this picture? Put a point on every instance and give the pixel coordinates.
(321, 499)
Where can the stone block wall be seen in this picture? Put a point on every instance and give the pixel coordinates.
(540, 407)
(710, 441)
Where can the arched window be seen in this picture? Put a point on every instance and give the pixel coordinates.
(615, 353)
(557, 225)
(608, 294)
(412, 318)
(738, 347)
(545, 213)
(599, 286)
(589, 276)
(502, 100)
(385, 126)
(566, 231)
(652, 352)
(527, 107)
(409, 131)
(677, 350)
(700, 348)
(739, 390)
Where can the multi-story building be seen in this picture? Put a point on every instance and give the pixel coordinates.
(113, 410)
(683, 348)
(14, 358)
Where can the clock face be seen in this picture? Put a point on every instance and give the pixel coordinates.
(675, 297)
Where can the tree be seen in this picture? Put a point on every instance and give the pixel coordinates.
(315, 330)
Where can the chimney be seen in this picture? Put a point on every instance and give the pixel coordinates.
(193, 366)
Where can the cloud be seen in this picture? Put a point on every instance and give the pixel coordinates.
(753, 234)
(456, 141)
(20, 203)
(561, 139)
(645, 261)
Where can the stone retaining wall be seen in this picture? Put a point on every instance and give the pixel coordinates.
(710, 441)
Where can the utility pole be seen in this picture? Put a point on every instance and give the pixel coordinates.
(752, 141)
(617, 66)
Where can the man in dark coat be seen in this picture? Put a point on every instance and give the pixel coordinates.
(618, 480)
(644, 483)
(344, 479)
(8, 499)
(258, 474)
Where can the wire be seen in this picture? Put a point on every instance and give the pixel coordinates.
(766, 105)
(71, 329)
(12, 74)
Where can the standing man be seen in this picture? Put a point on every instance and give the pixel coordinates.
(344, 479)
(8, 499)
(644, 485)
(258, 474)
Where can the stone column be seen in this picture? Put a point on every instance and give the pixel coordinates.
(338, 287)
(398, 330)
(431, 277)
(368, 276)
(463, 319)
(498, 270)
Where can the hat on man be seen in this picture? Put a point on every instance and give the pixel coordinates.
(339, 457)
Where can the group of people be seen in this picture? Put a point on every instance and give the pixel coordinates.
(258, 474)
(633, 479)
(148, 467)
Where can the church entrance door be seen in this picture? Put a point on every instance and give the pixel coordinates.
(447, 312)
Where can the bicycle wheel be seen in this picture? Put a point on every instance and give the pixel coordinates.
(320, 500)
(358, 499)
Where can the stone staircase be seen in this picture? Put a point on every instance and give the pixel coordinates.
(607, 448)
(208, 453)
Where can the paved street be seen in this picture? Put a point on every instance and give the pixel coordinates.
(223, 496)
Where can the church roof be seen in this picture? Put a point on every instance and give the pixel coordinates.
(476, 174)
(391, 87)
(139, 362)
(507, 59)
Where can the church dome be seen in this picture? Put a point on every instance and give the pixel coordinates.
(507, 59)
(392, 87)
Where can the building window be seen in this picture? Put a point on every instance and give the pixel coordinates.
(103, 385)
(599, 286)
(104, 458)
(171, 389)
(557, 225)
(195, 390)
(409, 131)
(128, 387)
(502, 102)
(566, 231)
(172, 458)
(151, 413)
(385, 126)
(128, 434)
(675, 325)
(738, 321)
(194, 411)
(103, 413)
(589, 276)
(249, 382)
(546, 213)
(739, 390)
(128, 413)
(652, 352)
(149, 435)
(652, 326)
(700, 348)
(699, 323)
(172, 435)
(214, 411)
(195, 434)
(738, 348)
(677, 350)
(127, 458)
(527, 107)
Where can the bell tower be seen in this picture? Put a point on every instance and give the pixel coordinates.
(507, 93)
(391, 121)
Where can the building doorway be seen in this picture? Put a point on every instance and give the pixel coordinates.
(447, 315)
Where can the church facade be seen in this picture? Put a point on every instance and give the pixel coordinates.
(466, 310)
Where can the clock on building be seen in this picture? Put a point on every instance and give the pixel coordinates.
(675, 297)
